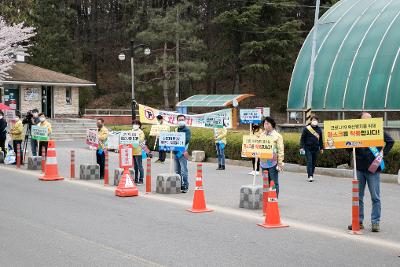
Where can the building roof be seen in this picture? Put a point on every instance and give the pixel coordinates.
(212, 100)
(24, 73)
(357, 61)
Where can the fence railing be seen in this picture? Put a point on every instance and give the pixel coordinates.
(110, 112)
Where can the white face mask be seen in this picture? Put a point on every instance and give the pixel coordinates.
(35, 115)
(135, 127)
(42, 119)
(314, 123)
(181, 123)
(1, 117)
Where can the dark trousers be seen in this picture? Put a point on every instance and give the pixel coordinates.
(15, 145)
(101, 160)
(3, 144)
(253, 160)
(311, 157)
(273, 176)
(41, 145)
(138, 167)
(162, 155)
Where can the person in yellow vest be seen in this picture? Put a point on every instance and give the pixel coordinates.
(137, 152)
(43, 122)
(311, 145)
(255, 130)
(220, 143)
(102, 147)
(16, 133)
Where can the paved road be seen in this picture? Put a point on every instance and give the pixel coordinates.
(83, 223)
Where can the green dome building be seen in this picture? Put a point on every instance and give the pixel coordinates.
(357, 63)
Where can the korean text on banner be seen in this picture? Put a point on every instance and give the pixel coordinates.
(125, 156)
(211, 121)
(248, 116)
(39, 133)
(353, 133)
(157, 129)
(257, 147)
(149, 115)
(128, 137)
(92, 138)
(171, 141)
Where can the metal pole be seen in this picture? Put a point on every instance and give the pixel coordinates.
(310, 87)
(133, 83)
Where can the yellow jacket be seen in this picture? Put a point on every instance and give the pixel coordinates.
(46, 124)
(17, 131)
(137, 149)
(103, 138)
(220, 135)
(279, 148)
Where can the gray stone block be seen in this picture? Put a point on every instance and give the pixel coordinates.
(89, 172)
(34, 163)
(198, 156)
(251, 197)
(118, 173)
(168, 183)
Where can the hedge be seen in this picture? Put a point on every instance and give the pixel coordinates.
(203, 139)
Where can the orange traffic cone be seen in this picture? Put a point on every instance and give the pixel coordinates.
(265, 191)
(126, 188)
(51, 168)
(272, 218)
(199, 201)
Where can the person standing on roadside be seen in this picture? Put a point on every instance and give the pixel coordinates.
(274, 165)
(43, 122)
(3, 133)
(180, 159)
(255, 130)
(220, 143)
(137, 152)
(34, 121)
(162, 154)
(102, 147)
(16, 133)
(311, 145)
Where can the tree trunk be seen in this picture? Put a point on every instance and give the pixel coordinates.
(165, 80)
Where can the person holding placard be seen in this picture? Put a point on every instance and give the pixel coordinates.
(274, 165)
(311, 145)
(102, 146)
(34, 121)
(162, 154)
(3, 133)
(255, 130)
(180, 159)
(16, 133)
(220, 143)
(370, 163)
(44, 123)
(137, 152)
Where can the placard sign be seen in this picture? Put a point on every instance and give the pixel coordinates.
(250, 116)
(125, 156)
(9, 115)
(171, 141)
(213, 121)
(257, 147)
(39, 133)
(157, 129)
(128, 137)
(92, 138)
(353, 133)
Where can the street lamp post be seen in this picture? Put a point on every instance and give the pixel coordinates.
(122, 57)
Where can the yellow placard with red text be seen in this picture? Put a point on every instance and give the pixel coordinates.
(353, 133)
(257, 147)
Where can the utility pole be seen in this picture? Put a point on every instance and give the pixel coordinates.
(177, 77)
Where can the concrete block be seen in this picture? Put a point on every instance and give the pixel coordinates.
(118, 173)
(251, 197)
(34, 163)
(167, 183)
(198, 156)
(89, 172)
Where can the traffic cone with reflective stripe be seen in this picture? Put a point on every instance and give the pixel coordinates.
(126, 187)
(51, 169)
(355, 222)
(265, 191)
(199, 201)
(272, 218)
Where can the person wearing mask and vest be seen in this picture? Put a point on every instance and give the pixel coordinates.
(162, 154)
(102, 147)
(255, 130)
(274, 165)
(220, 143)
(16, 133)
(311, 145)
(34, 121)
(180, 159)
(137, 151)
(370, 163)
(3, 133)
(44, 123)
